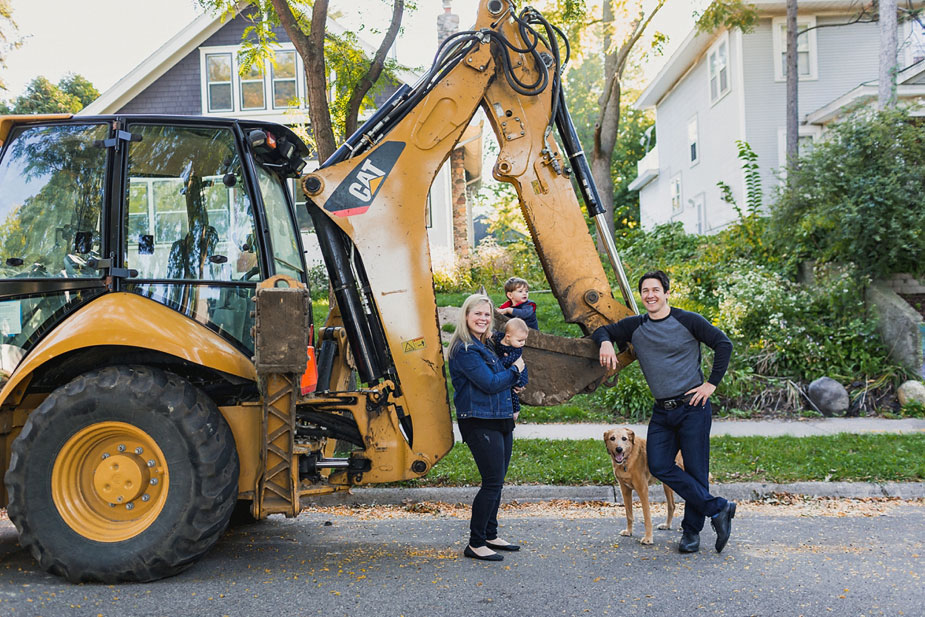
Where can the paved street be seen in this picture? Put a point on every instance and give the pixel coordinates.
(806, 557)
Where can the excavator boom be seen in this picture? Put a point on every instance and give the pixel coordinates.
(368, 204)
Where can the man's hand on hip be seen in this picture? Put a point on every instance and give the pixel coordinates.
(701, 393)
(608, 356)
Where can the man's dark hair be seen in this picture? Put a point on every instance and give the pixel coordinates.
(655, 274)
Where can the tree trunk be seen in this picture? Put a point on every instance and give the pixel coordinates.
(311, 48)
(886, 90)
(793, 78)
(605, 130)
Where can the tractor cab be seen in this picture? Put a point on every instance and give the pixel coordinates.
(189, 212)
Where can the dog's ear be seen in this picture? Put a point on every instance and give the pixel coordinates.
(631, 435)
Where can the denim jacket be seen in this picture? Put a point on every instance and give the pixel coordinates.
(482, 386)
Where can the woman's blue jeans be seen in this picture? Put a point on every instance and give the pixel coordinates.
(491, 450)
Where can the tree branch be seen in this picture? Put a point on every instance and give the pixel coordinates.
(375, 68)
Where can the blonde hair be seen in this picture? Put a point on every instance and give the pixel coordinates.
(462, 336)
(517, 324)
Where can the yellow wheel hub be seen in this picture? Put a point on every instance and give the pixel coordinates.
(109, 481)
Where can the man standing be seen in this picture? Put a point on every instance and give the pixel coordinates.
(667, 344)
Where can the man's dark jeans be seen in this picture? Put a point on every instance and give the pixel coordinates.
(686, 428)
(491, 450)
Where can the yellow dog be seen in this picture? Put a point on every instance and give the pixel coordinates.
(631, 469)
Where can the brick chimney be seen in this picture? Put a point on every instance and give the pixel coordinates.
(447, 25)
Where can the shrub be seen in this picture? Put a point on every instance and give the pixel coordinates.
(858, 197)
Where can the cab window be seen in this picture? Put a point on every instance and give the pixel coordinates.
(53, 182)
(286, 255)
(188, 215)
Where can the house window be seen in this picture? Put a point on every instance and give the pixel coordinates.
(284, 80)
(913, 43)
(806, 48)
(675, 187)
(718, 62)
(218, 80)
(252, 87)
(805, 142)
(267, 85)
(693, 144)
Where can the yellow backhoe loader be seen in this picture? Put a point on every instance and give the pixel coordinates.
(161, 364)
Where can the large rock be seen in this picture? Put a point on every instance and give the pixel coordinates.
(911, 391)
(829, 396)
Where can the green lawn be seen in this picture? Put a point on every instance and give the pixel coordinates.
(844, 457)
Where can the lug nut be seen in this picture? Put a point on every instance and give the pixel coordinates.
(121, 448)
(105, 455)
(139, 450)
(145, 497)
(129, 506)
(151, 463)
(153, 481)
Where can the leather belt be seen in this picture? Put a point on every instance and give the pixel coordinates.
(673, 403)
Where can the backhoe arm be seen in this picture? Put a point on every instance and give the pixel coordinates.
(368, 203)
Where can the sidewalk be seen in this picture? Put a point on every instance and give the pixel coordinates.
(739, 491)
(736, 428)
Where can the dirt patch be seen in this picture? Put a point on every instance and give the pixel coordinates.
(783, 504)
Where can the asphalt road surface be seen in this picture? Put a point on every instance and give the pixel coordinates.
(805, 557)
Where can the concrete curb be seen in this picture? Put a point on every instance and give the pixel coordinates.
(741, 491)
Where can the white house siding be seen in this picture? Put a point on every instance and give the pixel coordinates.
(718, 129)
(846, 57)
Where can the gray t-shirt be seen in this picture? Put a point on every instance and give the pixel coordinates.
(668, 349)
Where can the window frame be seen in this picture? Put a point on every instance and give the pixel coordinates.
(723, 40)
(676, 197)
(250, 80)
(695, 142)
(207, 83)
(806, 130)
(271, 82)
(268, 111)
(779, 46)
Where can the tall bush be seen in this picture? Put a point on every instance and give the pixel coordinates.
(858, 197)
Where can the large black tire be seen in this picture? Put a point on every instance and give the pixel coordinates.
(188, 446)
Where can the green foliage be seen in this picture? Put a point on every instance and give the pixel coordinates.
(8, 39)
(913, 409)
(729, 14)
(583, 91)
(790, 330)
(71, 94)
(630, 399)
(318, 282)
(857, 198)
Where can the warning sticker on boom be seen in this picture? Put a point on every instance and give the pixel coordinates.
(413, 345)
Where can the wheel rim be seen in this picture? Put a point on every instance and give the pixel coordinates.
(109, 481)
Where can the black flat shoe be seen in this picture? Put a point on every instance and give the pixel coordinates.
(501, 547)
(722, 525)
(690, 542)
(493, 557)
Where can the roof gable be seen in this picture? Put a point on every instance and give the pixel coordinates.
(188, 40)
(696, 44)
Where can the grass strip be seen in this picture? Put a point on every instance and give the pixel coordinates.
(843, 457)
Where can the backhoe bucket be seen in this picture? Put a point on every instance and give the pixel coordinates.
(559, 368)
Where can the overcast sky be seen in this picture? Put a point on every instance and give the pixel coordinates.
(103, 40)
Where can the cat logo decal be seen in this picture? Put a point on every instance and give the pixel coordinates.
(358, 190)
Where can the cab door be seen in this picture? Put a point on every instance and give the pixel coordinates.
(54, 181)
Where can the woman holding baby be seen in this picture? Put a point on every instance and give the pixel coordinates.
(484, 411)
